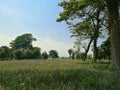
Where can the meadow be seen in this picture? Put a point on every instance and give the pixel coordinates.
(58, 75)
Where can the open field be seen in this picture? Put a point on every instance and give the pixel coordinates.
(57, 75)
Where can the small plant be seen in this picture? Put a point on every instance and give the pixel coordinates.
(22, 86)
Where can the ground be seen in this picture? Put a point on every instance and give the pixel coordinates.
(58, 75)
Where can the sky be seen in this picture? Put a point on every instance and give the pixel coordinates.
(38, 17)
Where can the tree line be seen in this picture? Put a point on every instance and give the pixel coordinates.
(22, 48)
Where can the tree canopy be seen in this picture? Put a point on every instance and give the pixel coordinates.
(23, 42)
(53, 54)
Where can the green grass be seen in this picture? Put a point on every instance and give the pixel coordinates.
(57, 75)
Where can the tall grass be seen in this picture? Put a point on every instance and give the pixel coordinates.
(57, 75)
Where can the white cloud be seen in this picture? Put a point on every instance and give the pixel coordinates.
(48, 44)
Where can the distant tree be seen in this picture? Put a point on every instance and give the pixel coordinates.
(44, 55)
(23, 42)
(79, 56)
(33, 53)
(73, 55)
(23, 48)
(36, 53)
(70, 51)
(53, 54)
(2, 53)
(18, 54)
(5, 53)
(77, 46)
(27, 54)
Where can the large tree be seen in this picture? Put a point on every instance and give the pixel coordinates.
(83, 12)
(112, 7)
(114, 28)
(23, 49)
(23, 42)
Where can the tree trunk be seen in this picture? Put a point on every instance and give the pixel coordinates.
(95, 51)
(88, 47)
(114, 23)
(96, 35)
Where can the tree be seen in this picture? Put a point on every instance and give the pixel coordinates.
(70, 51)
(18, 54)
(88, 16)
(44, 55)
(33, 53)
(23, 42)
(77, 46)
(114, 28)
(112, 8)
(5, 53)
(36, 53)
(23, 49)
(84, 31)
(53, 54)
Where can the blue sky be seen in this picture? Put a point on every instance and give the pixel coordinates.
(37, 17)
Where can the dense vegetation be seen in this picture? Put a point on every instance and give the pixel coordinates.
(57, 75)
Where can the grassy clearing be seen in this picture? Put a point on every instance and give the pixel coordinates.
(57, 75)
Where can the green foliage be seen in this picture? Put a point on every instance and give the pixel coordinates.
(79, 56)
(44, 55)
(71, 9)
(23, 42)
(18, 54)
(5, 53)
(33, 53)
(104, 50)
(70, 51)
(83, 29)
(36, 53)
(53, 54)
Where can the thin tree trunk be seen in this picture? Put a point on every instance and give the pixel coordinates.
(96, 35)
(86, 51)
(114, 23)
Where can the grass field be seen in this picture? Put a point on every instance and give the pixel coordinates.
(57, 75)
